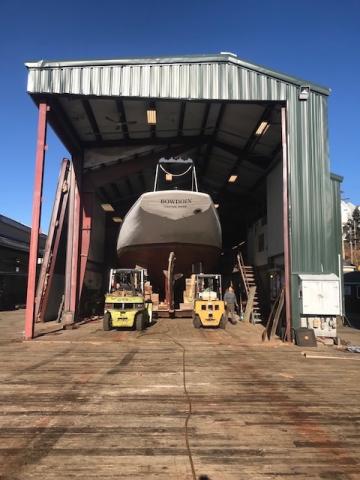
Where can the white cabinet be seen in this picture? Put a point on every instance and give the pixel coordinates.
(319, 294)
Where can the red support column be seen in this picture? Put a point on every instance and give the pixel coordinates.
(35, 224)
(75, 250)
(87, 199)
(73, 243)
(68, 268)
(52, 243)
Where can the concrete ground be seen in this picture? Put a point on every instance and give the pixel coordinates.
(175, 403)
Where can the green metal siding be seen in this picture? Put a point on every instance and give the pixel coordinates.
(334, 235)
(315, 225)
(309, 190)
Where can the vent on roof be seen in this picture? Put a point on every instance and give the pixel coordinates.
(228, 53)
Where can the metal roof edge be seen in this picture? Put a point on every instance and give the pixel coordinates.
(202, 58)
(16, 224)
(336, 177)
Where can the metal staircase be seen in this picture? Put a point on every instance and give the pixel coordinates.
(248, 279)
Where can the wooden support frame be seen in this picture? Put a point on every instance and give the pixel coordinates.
(36, 219)
(73, 243)
(52, 243)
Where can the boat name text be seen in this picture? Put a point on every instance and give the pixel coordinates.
(170, 201)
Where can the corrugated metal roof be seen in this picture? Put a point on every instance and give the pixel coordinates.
(219, 76)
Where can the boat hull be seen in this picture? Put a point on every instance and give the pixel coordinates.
(178, 221)
(155, 258)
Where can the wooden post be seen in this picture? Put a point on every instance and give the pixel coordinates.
(250, 304)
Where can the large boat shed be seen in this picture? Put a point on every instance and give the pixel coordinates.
(259, 139)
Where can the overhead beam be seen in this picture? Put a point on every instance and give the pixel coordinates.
(241, 154)
(254, 139)
(248, 148)
(129, 186)
(211, 143)
(125, 202)
(115, 189)
(62, 126)
(203, 127)
(142, 181)
(97, 178)
(131, 142)
(104, 195)
(92, 120)
(122, 114)
(181, 119)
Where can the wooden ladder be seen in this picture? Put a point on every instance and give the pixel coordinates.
(248, 278)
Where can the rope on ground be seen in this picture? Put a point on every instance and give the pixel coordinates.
(186, 394)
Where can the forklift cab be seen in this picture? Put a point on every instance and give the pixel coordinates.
(125, 306)
(209, 308)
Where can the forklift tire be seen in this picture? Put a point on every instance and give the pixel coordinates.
(223, 322)
(197, 321)
(107, 322)
(140, 322)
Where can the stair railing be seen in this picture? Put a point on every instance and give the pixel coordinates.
(241, 266)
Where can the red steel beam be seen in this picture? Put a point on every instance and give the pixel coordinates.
(58, 229)
(86, 226)
(75, 247)
(73, 242)
(35, 224)
(68, 266)
(287, 259)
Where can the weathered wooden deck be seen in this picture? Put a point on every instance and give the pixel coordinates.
(88, 404)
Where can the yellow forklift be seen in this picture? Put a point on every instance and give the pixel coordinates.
(125, 305)
(209, 308)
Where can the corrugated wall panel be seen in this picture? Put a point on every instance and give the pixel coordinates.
(313, 248)
(334, 234)
(220, 81)
(312, 232)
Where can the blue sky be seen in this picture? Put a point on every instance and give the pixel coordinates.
(314, 40)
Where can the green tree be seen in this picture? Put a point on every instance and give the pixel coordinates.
(351, 233)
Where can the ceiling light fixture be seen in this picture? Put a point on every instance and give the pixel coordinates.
(107, 207)
(117, 219)
(232, 178)
(168, 177)
(151, 116)
(262, 128)
(216, 205)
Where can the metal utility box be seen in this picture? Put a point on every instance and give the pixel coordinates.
(320, 295)
(320, 303)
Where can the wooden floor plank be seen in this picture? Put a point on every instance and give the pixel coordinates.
(107, 405)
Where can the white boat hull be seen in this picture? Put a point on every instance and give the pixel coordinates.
(173, 220)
